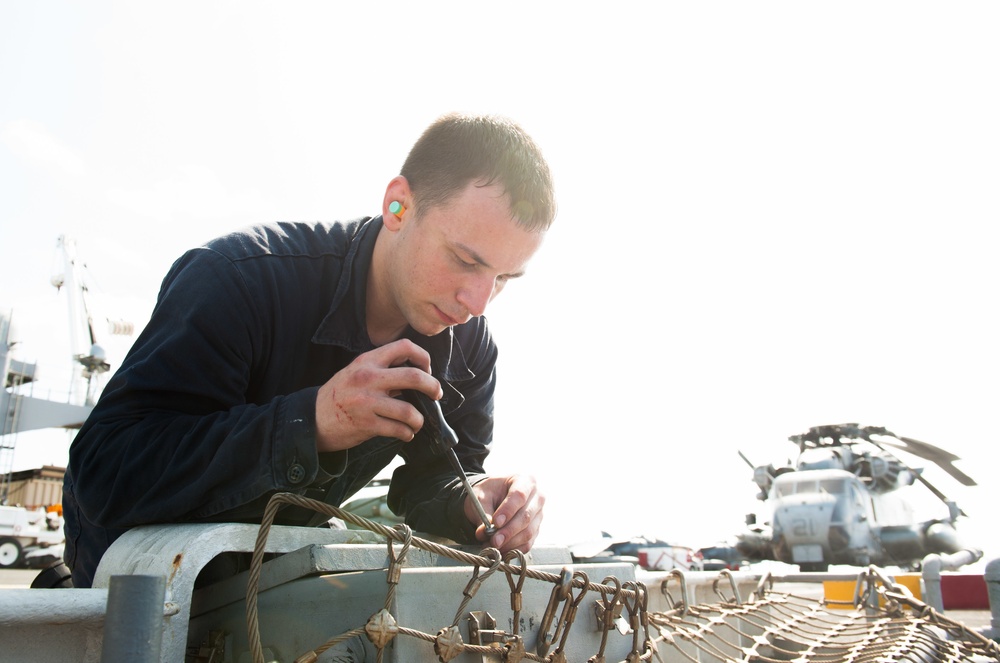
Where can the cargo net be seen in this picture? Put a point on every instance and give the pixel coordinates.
(884, 623)
(779, 626)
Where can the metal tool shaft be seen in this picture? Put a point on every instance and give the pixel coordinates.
(447, 440)
(453, 457)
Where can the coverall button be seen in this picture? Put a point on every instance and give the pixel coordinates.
(296, 473)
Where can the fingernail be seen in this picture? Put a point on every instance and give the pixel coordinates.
(498, 540)
(501, 520)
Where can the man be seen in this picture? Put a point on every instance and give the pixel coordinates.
(275, 359)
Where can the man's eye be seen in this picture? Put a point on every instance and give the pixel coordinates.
(464, 263)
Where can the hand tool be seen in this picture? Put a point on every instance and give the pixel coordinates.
(444, 442)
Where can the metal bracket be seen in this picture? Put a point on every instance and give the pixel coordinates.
(483, 629)
(614, 620)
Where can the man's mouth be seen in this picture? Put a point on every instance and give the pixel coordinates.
(445, 318)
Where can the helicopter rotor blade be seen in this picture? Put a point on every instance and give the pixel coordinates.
(944, 459)
(919, 476)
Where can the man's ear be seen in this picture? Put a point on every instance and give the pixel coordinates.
(397, 203)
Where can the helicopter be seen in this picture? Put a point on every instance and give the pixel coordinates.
(840, 502)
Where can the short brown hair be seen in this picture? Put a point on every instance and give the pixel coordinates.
(458, 149)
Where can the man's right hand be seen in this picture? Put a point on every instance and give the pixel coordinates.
(359, 402)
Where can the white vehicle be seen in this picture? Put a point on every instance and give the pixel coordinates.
(23, 531)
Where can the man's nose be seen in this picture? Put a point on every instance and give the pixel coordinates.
(476, 295)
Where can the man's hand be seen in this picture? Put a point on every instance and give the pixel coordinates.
(359, 402)
(516, 505)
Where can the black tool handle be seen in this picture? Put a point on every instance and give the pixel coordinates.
(442, 434)
(444, 440)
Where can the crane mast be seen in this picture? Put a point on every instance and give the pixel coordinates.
(23, 410)
(89, 357)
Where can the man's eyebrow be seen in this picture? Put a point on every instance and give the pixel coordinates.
(478, 259)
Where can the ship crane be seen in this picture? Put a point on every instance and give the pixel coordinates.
(21, 409)
(92, 359)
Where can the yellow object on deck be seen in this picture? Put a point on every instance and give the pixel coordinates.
(839, 594)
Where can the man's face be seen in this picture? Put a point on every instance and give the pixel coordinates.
(455, 258)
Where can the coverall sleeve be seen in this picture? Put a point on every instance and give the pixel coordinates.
(173, 437)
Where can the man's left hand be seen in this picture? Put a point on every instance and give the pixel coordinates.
(516, 505)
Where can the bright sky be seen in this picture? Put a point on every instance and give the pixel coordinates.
(773, 215)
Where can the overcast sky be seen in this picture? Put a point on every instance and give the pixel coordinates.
(772, 215)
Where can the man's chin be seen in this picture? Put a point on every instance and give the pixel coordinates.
(430, 329)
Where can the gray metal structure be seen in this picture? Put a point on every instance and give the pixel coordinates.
(327, 582)
(21, 410)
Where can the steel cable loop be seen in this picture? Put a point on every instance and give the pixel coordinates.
(476, 581)
(764, 585)
(644, 614)
(560, 593)
(516, 599)
(649, 645)
(607, 616)
(726, 573)
(569, 612)
(395, 570)
(685, 599)
(866, 580)
(633, 604)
